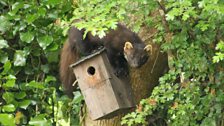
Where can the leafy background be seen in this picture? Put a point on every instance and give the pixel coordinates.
(30, 42)
(190, 31)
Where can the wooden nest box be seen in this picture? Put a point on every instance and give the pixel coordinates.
(104, 93)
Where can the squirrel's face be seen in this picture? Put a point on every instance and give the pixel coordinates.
(136, 54)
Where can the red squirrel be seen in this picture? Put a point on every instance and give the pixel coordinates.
(123, 48)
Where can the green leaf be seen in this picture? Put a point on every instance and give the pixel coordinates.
(45, 68)
(35, 84)
(101, 34)
(53, 15)
(24, 104)
(50, 79)
(11, 77)
(39, 120)
(8, 108)
(8, 97)
(24, 86)
(30, 18)
(77, 97)
(16, 6)
(219, 57)
(7, 66)
(220, 46)
(20, 58)
(3, 44)
(7, 119)
(54, 2)
(52, 57)
(113, 25)
(41, 11)
(45, 41)
(4, 25)
(53, 47)
(3, 57)
(27, 37)
(185, 16)
(37, 52)
(9, 83)
(20, 95)
(208, 121)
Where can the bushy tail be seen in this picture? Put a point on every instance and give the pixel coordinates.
(69, 55)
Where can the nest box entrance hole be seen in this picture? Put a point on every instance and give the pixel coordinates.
(91, 70)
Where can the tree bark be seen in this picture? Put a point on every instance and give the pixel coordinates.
(143, 80)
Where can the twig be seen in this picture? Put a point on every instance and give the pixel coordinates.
(154, 64)
(75, 83)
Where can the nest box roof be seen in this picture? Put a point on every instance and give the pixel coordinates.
(98, 52)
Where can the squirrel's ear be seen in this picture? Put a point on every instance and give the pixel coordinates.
(148, 48)
(128, 46)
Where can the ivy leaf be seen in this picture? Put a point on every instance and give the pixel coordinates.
(11, 77)
(52, 47)
(24, 104)
(20, 95)
(3, 57)
(7, 119)
(5, 24)
(30, 18)
(19, 58)
(49, 79)
(77, 97)
(8, 97)
(8, 108)
(3, 44)
(45, 41)
(16, 6)
(9, 83)
(52, 56)
(27, 37)
(35, 84)
(39, 120)
(7, 66)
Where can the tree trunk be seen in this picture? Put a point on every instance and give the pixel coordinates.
(143, 80)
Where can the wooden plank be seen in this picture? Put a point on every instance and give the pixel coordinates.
(86, 80)
(101, 101)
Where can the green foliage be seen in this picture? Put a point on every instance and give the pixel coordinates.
(98, 16)
(194, 28)
(30, 42)
(219, 55)
(189, 30)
